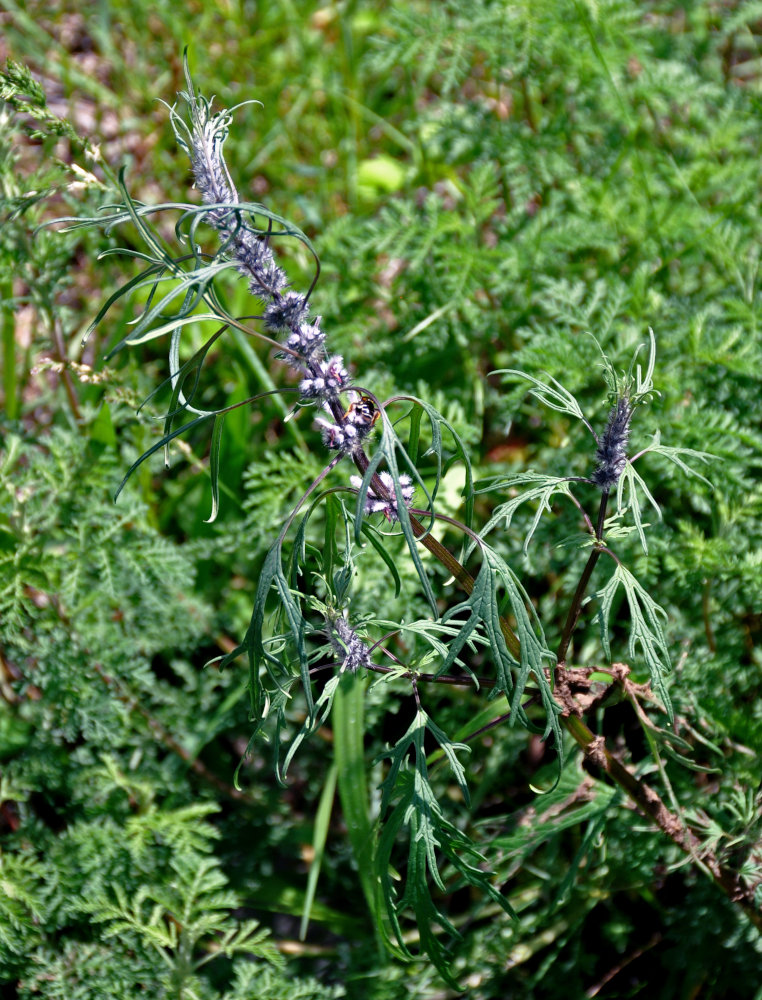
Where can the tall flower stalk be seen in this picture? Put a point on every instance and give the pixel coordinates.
(323, 377)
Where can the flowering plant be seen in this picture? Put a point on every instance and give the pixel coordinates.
(304, 619)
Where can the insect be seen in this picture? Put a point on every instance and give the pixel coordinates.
(362, 413)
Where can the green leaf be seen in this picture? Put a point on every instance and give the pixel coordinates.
(646, 629)
(554, 395)
(374, 538)
(254, 644)
(483, 609)
(319, 838)
(631, 482)
(349, 749)
(387, 451)
(214, 465)
(429, 833)
(675, 455)
(541, 487)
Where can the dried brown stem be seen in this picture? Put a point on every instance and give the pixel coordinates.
(653, 808)
(59, 353)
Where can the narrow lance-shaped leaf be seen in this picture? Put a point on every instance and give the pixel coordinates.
(314, 720)
(677, 455)
(373, 537)
(214, 465)
(554, 396)
(483, 609)
(254, 642)
(418, 809)
(348, 730)
(159, 445)
(319, 839)
(436, 422)
(535, 657)
(631, 481)
(194, 282)
(138, 279)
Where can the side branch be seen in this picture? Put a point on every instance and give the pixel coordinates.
(648, 802)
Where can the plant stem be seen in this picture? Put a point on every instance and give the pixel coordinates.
(576, 605)
(708, 631)
(59, 353)
(579, 594)
(10, 390)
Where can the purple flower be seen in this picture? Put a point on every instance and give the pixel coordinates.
(612, 446)
(286, 312)
(375, 504)
(308, 340)
(330, 380)
(347, 645)
(323, 379)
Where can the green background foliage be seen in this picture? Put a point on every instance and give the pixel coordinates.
(486, 183)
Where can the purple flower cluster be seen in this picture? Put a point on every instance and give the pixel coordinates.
(347, 645)
(612, 445)
(203, 144)
(329, 380)
(286, 313)
(322, 378)
(375, 504)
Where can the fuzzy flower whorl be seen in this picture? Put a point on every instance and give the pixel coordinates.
(377, 505)
(348, 645)
(612, 446)
(322, 378)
